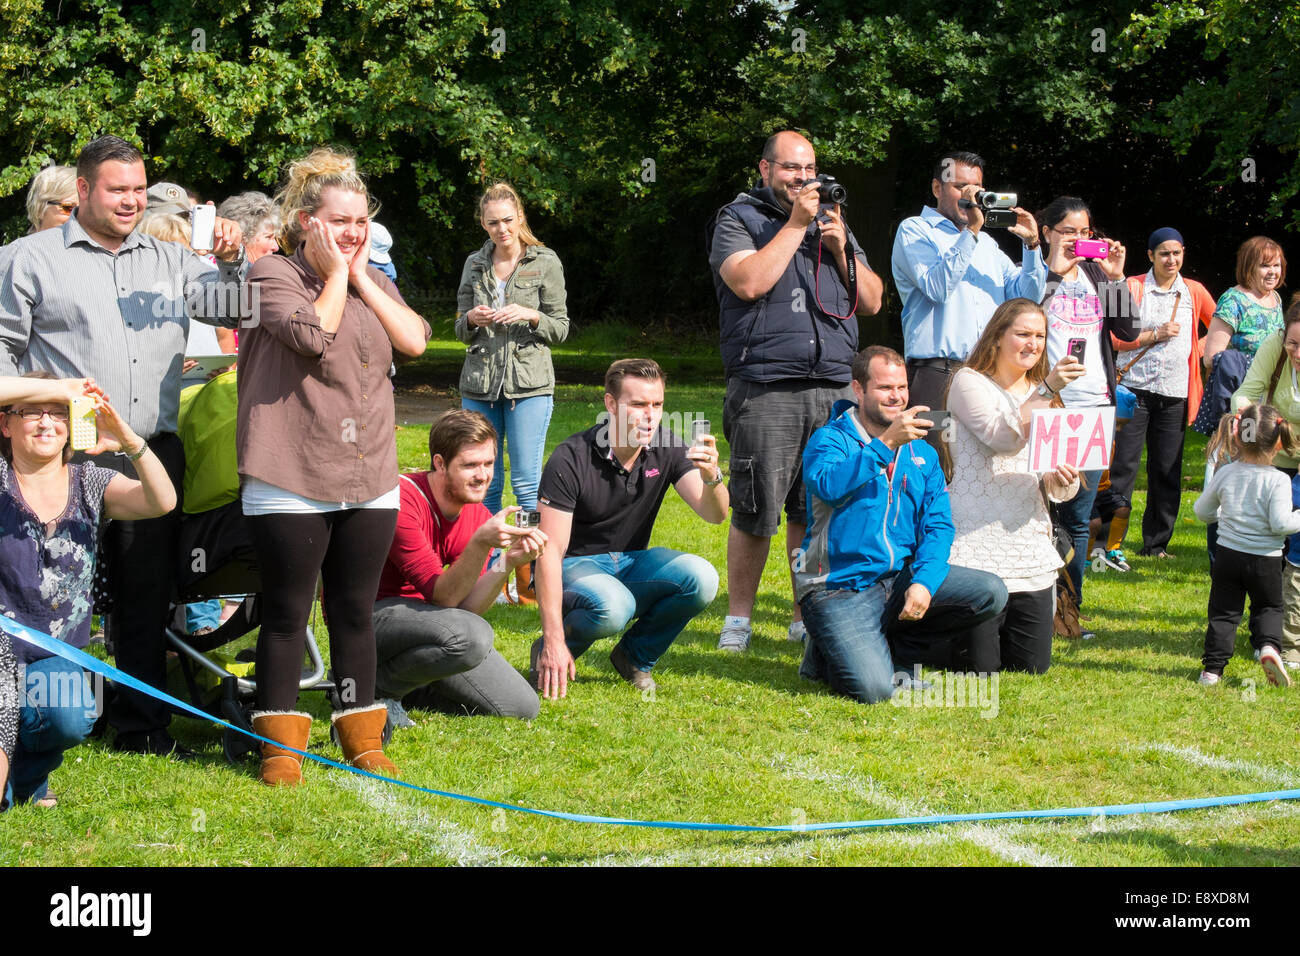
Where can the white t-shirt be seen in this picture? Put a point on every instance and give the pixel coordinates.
(1074, 312)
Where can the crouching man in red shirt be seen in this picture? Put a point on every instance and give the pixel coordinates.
(447, 563)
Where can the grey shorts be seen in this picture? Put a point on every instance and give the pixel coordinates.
(767, 425)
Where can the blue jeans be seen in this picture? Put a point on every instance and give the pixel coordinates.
(661, 588)
(521, 423)
(58, 709)
(1073, 516)
(202, 614)
(857, 644)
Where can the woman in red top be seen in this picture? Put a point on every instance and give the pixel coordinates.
(317, 457)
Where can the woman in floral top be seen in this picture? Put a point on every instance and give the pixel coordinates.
(1252, 309)
(49, 521)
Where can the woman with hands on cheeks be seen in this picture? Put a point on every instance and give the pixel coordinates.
(50, 514)
(998, 507)
(317, 456)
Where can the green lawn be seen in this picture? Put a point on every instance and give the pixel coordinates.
(745, 740)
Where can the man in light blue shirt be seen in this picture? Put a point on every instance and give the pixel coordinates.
(951, 275)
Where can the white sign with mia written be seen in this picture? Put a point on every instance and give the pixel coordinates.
(1078, 436)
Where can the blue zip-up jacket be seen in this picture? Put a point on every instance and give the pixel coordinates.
(863, 526)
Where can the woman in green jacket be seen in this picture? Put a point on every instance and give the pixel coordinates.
(511, 306)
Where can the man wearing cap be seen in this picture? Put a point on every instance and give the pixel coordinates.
(1163, 369)
(97, 298)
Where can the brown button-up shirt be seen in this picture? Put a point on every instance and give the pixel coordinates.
(315, 408)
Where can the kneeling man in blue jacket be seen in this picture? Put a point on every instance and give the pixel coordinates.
(872, 577)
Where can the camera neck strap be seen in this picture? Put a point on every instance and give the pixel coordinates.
(851, 265)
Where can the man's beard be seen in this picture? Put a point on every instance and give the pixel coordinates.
(871, 415)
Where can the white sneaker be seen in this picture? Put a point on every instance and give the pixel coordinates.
(797, 633)
(734, 638)
(1208, 680)
(1274, 670)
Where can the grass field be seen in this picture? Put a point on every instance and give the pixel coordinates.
(745, 740)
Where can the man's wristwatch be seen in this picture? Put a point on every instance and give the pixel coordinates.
(715, 481)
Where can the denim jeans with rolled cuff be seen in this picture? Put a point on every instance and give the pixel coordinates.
(660, 589)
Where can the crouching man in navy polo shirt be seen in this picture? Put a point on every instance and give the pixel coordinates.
(600, 493)
(873, 579)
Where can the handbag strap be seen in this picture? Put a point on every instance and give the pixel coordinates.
(1119, 376)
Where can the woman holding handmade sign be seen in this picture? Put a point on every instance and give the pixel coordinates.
(999, 507)
(1087, 303)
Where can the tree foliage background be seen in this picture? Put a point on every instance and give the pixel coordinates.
(626, 125)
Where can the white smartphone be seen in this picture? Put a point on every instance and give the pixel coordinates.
(81, 424)
(203, 222)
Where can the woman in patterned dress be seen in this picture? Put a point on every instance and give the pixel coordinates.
(49, 522)
(999, 508)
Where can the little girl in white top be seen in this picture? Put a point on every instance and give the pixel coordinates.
(1251, 500)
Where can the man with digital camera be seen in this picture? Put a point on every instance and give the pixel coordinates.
(952, 275)
(790, 283)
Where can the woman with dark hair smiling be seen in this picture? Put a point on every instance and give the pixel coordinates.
(1086, 300)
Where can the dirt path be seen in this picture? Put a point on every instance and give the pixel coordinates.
(422, 404)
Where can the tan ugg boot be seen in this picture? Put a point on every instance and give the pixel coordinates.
(525, 591)
(288, 727)
(361, 735)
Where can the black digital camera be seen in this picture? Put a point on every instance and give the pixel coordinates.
(831, 191)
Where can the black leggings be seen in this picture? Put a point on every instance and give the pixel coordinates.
(347, 549)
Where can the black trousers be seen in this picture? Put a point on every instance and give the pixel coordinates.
(1236, 576)
(347, 550)
(141, 574)
(1018, 639)
(1159, 423)
(928, 385)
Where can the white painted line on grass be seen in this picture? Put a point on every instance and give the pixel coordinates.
(1192, 755)
(445, 838)
(991, 838)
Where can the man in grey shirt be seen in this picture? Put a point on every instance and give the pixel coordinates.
(97, 298)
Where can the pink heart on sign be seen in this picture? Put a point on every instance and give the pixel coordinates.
(1074, 421)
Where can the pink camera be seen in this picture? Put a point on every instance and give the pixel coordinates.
(1092, 248)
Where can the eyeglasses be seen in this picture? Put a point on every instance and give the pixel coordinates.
(65, 206)
(1072, 233)
(36, 414)
(811, 170)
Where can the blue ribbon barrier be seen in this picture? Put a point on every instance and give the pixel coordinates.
(96, 666)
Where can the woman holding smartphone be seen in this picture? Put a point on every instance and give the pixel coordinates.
(317, 456)
(1086, 303)
(51, 514)
(512, 309)
(999, 507)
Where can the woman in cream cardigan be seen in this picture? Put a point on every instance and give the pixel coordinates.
(999, 508)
